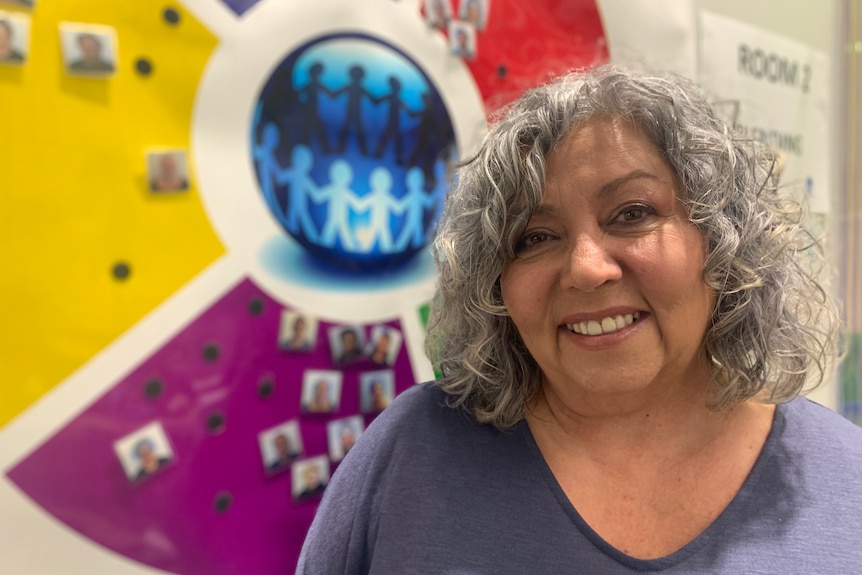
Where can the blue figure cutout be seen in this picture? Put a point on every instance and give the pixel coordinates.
(334, 135)
(381, 204)
(290, 115)
(310, 96)
(415, 201)
(393, 121)
(268, 169)
(428, 133)
(353, 120)
(300, 188)
(340, 199)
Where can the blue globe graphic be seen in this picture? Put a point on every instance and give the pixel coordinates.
(352, 146)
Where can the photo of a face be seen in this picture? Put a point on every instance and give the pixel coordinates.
(296, 332)
(20, 3)
(474, 12)
(279, 446)
(376, 390)
(167, 171)
(342, 435)
(321, 391)
(14, 38)
(309, 477)
(438, 13)
(462, 39)
(145, 452)
(88, 50)
(384, 344)
(346, 343)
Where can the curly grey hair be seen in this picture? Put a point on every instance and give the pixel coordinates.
(774, 327)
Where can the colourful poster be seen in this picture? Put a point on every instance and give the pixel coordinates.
(217, 248)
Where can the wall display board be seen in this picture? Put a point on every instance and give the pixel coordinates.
(777, 90)
(215, 236)
(780, 90)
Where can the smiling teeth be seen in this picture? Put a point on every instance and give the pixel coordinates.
(607, 325)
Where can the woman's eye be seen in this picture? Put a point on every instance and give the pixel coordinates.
(530, 240)
(634, 214)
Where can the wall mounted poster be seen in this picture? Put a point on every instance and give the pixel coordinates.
(223, 277)
(777, 90)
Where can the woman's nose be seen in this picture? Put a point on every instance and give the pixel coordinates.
(590, 264)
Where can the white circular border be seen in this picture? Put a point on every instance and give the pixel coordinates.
(227, 95)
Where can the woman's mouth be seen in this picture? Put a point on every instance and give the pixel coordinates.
(606, 325)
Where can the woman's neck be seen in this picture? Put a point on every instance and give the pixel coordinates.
(674, 423)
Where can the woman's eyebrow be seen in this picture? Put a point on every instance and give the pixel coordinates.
(544, 209)
(633, 175)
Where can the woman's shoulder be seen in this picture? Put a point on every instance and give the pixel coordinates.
(420, 408)
(422, 422)
(421, 395)
(811, 415)
(821, 432)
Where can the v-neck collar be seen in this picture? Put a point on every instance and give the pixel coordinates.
(736, 506)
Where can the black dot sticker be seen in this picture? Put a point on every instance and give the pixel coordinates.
(215, 422)
(502, 71)
(211, 352)
(143, 66)
(222, 502)
(121, 271)
(255, 307)
(171, 16)
(265, 387)
(153, 388)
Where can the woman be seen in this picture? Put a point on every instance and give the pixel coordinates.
(379, 399)
(300, 339)
(625, 318)
(168, 178)
(8, 53)
(380, 351)
(320, 399)
(351, 348)
(150, 462)
(438, 13)
(472, 12)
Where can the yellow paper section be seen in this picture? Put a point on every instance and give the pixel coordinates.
(73, 190)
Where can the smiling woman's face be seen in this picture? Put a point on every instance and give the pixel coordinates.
(606, 288)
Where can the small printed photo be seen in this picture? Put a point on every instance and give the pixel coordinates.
(88, 50)
(167, 171)
(279, 446)
(346, 343)
(462, 39)
(342, 434)
(384, 344)
(21, 3)
(376, 390)
(309, 477)
(321, 390)
(297, 332)
(14, 38)
(474, 12)
(438, 13)
(144, 452)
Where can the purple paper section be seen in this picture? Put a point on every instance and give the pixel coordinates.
(170, 519)
(240, 6)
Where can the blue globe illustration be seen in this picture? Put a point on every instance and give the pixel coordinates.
(352, 146)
